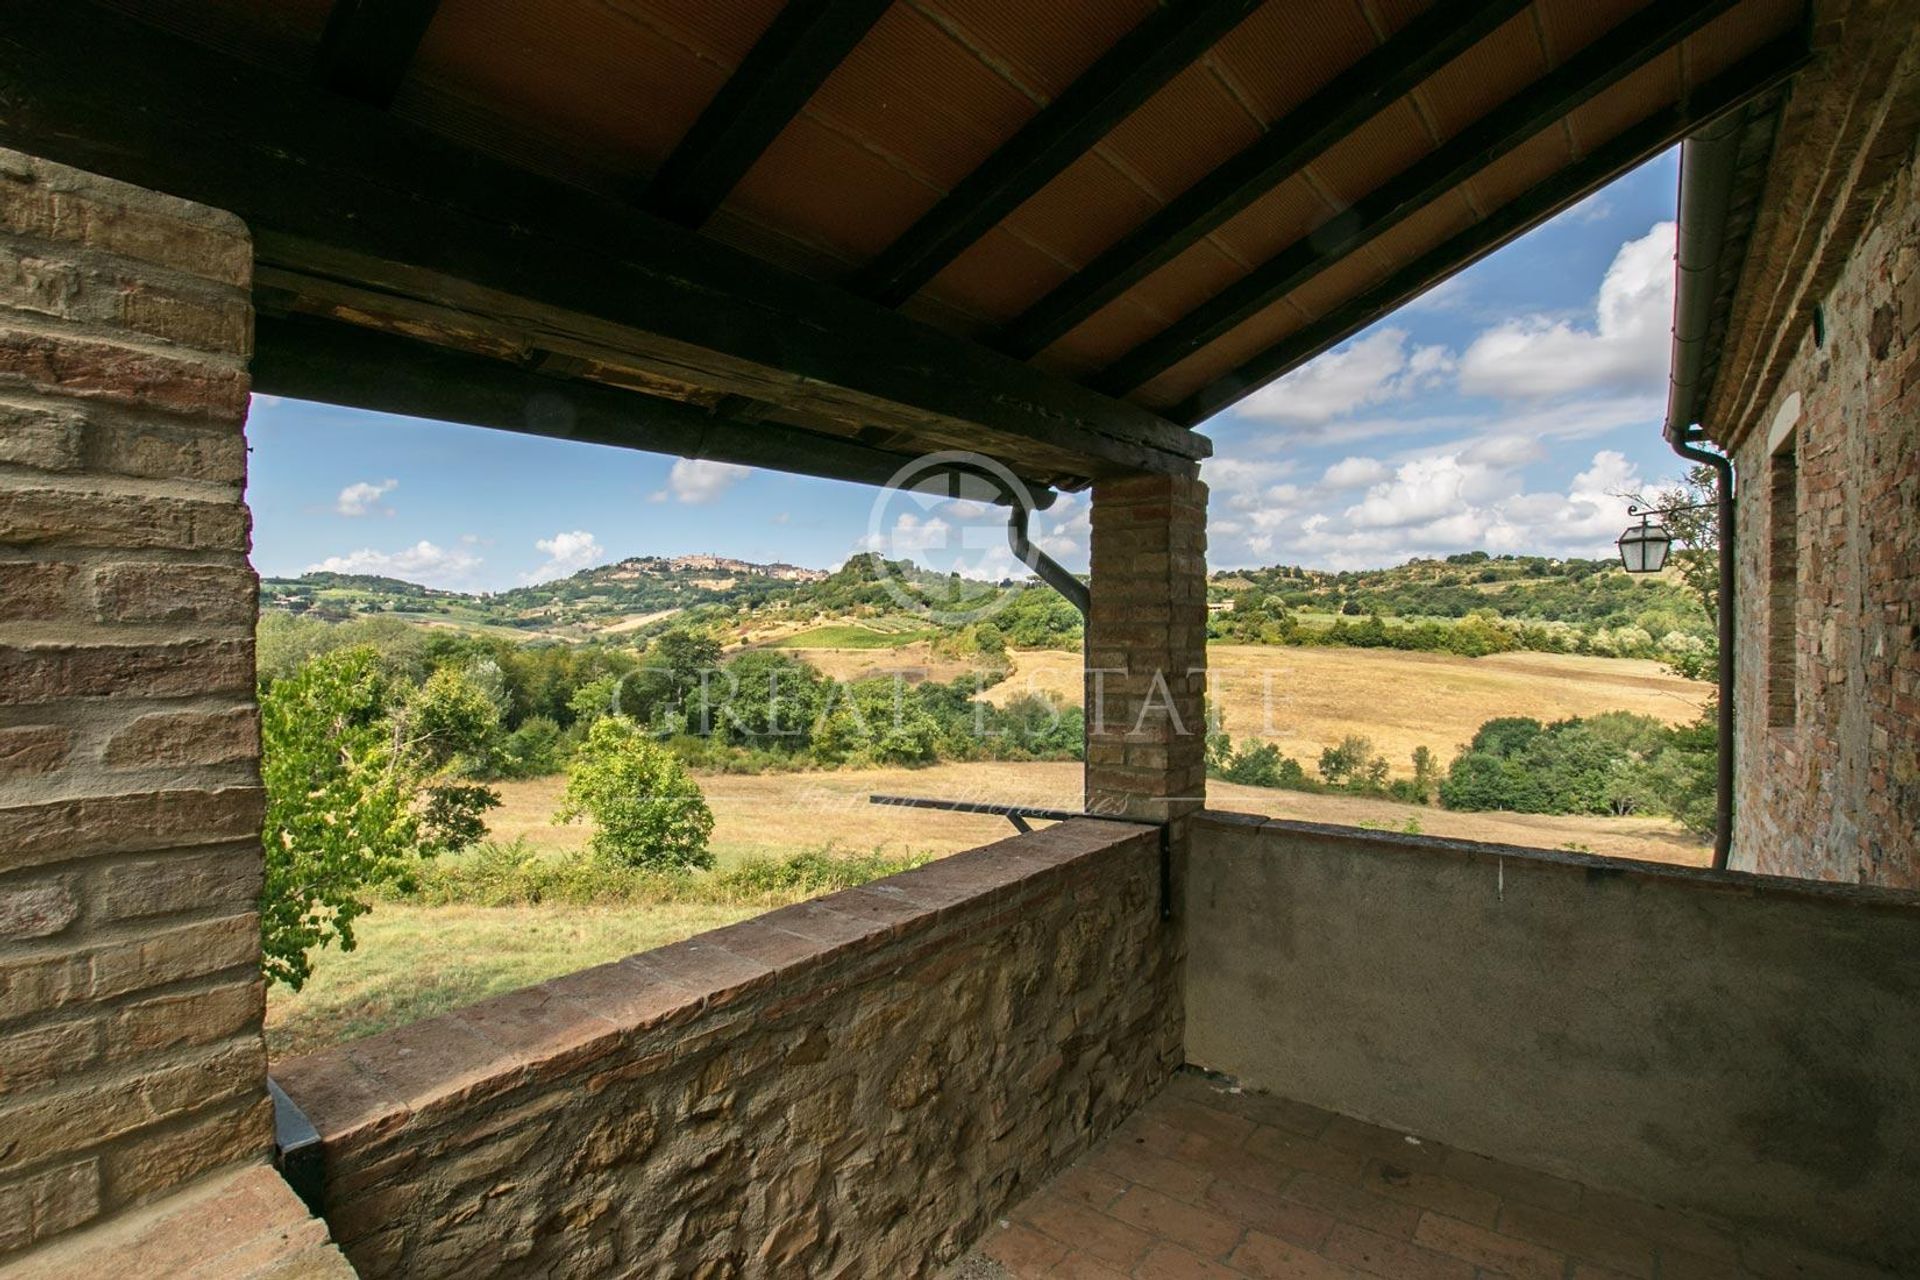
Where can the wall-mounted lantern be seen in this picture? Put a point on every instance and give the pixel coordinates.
(1644, 547)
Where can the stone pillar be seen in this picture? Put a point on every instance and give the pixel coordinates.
(1147, 649)
(131, 1058)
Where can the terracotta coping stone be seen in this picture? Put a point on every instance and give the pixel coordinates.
(359, 1090)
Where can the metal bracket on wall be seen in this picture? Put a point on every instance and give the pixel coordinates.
(1018, 814)
(298, 1151)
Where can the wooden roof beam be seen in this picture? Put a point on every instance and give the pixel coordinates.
(368, 45)
(1755, 74)
(316, 359)
(1355, 96)
(774, 81)
(1594, 69)
(342, 192)
(1160, 47)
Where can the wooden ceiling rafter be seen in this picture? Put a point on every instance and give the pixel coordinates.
(1354, 96)
(1620, 52)
(790, 61)
(369, 44)
(1139, 65)
(349, 195)
(306, 358)
(1327, 211)
(1757, 74)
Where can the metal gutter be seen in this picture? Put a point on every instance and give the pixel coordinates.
(1708, 161)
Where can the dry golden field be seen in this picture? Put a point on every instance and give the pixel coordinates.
(1306, 699)
(915, 662)
(774, 814)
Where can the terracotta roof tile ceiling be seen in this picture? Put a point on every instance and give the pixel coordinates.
(1177, 235)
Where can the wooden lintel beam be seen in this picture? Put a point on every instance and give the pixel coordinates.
(306, 358)
(1159, 47)
(1353, 97)
(335, 189)
(368, 44)
(772, 83)
(1596, 68)
(1756, 74)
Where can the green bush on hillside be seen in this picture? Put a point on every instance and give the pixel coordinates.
(646, 811)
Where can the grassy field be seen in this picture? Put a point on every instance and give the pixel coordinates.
(850, 635)
(1306, 699)
(415, 961)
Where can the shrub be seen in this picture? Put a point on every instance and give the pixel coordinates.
(514, 874)
(1353, 765)
(1258, 764)
(646, 811)
(534, 750)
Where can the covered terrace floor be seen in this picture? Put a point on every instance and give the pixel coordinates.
(1211, 1180)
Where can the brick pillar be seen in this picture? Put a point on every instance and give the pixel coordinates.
(131, 1057)
(1146, 649)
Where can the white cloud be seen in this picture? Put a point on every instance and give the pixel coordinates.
(1354, 473)
(567, 553)
(1371, 370)
(423, 562)
(1627, 347)
(695, 480)
(363, 497)
(1467, 496)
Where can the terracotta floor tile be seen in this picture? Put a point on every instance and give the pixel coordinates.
(1430, 1191)
(1080, 1265)
(1107, 1239)
(1349, 1203)
(1209, 1234)
(1378, 1255)
(1270, 1212)
(1206, 1184)
(1266, 1257)
(1171, 1262)
(1022, 1250)
(1484, 1248)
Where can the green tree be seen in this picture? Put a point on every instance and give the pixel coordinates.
(341, 806)
(1426, 775)
(1353, 765)
(647, 811)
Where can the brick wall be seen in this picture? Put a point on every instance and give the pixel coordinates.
(856, 1086)
(1829, 780)
(1147, 648)
(130, 1000)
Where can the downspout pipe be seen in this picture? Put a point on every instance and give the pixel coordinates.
(1044, 566)
(1708, 161)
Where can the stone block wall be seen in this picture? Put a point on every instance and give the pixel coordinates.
(130, 1000)
(1828, 762)
(855, 1086)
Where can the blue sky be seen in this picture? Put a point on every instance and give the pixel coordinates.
(1500, 412)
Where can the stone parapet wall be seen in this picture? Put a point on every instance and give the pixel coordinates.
(854, 1086)
(1828, 766)
(131, 1058)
